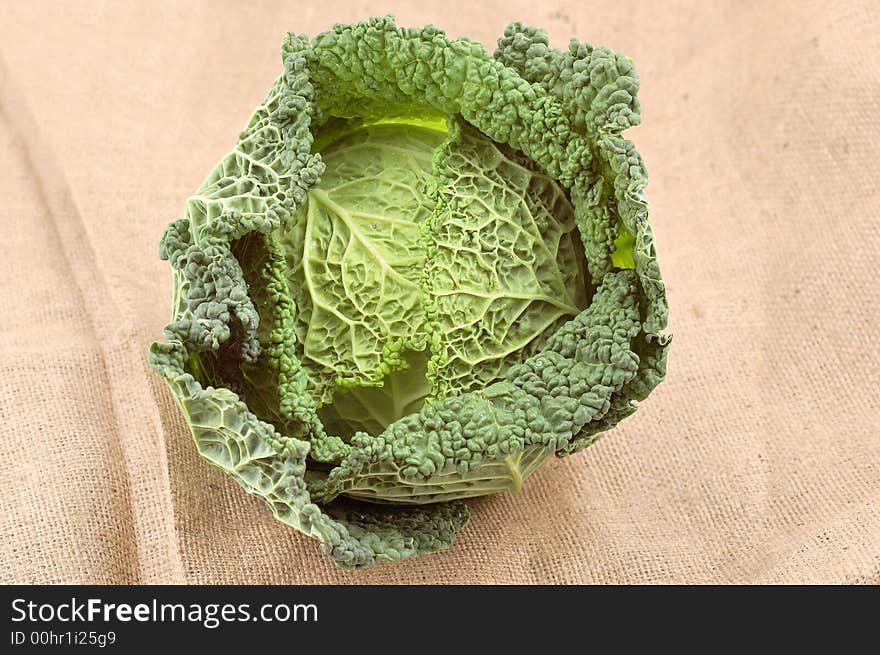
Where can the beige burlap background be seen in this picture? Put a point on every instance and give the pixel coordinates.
(758, 460)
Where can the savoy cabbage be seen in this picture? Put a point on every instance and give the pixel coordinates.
(422, 271)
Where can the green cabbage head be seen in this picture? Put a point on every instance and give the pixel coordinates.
(422, 271)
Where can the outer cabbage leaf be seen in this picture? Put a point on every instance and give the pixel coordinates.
(490, 441)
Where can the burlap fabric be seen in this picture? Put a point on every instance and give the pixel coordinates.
(758, 460)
